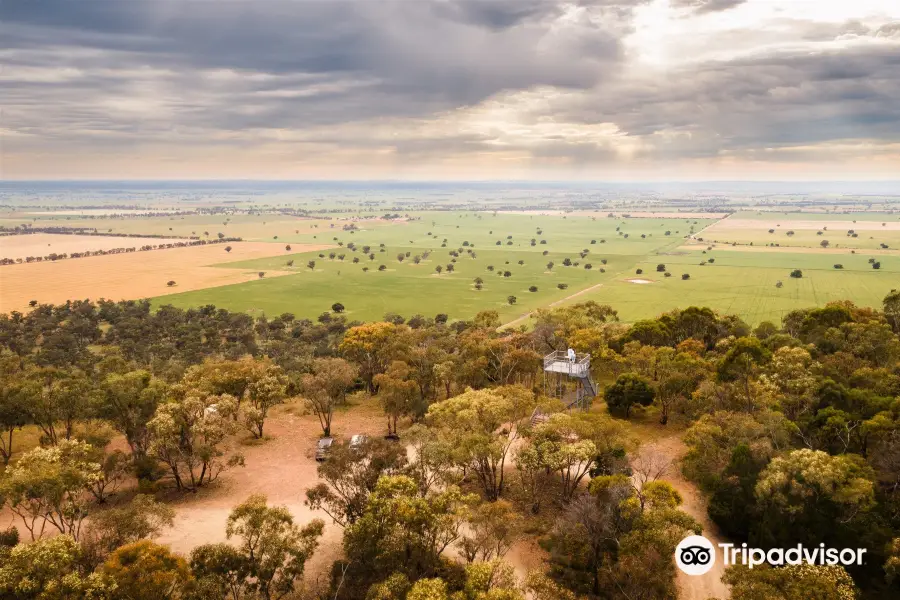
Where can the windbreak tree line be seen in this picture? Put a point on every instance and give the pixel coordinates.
(793, 432)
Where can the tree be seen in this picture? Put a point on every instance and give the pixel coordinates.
(13, 411)
(49, 486)
(628, 390)
(533, 288)
(107, 530)
(822, 582)
(438, 269)
(170, 283)
(397, 393)
(337, 307)
(189, 436)
(262, 395)
(50, 569)
(661, 268)
(403, 532)
(261, 274)
(311, 265)
(741, 364)
(511, 300)
(550, 266)
(274, 547)
(145, 570)
(685, 276)
(349, 478)
(326, 387)
(482, 427)
(55, 396)
(892, 309)
(370, 346)
(796, 274)
(493, 529)
(824, 243)
(128, 402)
(227, 248)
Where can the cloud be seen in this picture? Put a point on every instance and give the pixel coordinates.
(707, 6)
(528, 82)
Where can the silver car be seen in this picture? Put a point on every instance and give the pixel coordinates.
(323, 446)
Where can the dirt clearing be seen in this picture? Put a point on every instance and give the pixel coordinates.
(43, 244)
(133, 275)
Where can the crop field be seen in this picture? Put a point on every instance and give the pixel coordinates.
(807, 230)
(126, 276)
(42, 244)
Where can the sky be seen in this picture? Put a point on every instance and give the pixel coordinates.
(611, 90)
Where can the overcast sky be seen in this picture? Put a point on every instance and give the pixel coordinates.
(513, 89)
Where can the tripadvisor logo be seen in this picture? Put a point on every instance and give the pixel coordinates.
(696, 555)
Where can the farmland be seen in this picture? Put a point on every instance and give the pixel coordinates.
(124, 276)
(528, 230)
(739, 279)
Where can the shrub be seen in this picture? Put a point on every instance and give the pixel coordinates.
(532, 288)
(511, 299)
(562, 286)
(838, 266)
(797, 274)
(660, 268)
(685, 276)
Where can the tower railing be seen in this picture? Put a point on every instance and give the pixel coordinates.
(558, 361)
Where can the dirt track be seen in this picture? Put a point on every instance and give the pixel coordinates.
(700, 587)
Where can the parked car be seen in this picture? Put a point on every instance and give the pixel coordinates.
(323, 447)
(357, 441)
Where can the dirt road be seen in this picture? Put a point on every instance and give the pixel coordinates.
(699, 587)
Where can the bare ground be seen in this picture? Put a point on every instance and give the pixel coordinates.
(709, 585)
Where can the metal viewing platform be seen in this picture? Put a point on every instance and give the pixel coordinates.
(577, 370)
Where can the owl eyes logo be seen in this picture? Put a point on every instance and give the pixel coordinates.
(695, 555)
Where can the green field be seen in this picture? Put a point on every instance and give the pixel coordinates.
(741, 282)
(408, 288)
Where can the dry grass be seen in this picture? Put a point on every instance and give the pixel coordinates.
(133, 275)
(42, 244)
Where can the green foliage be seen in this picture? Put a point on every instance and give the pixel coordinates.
(47, 487)
(145, 570)
(628, 390)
